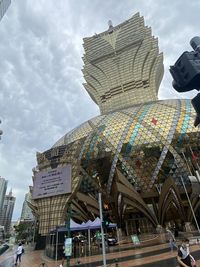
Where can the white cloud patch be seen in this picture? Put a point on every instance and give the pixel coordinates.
(41, 92)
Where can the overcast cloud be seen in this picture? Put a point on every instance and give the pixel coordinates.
(41, 92)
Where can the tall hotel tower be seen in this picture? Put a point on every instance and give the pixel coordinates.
(3, 187)
(26, 214)
(7, 212)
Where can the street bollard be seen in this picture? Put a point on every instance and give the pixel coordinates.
(116, 263)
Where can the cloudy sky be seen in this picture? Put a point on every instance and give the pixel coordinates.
(41, 92)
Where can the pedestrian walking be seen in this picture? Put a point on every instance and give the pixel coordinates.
(172, 240)
(184, 258)
(172, 243)
(19, 252)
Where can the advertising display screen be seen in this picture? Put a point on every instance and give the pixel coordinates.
(52, 182)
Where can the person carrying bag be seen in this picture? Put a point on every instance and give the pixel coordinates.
(184, 258)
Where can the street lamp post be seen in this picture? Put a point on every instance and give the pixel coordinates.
(95, 175)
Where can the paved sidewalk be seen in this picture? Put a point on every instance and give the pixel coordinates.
(152, 256)
(31, 258)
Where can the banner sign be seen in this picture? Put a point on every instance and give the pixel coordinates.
(135, 240)
(52, 182)
(68, 246)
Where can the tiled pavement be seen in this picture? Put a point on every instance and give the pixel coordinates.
(152, 256)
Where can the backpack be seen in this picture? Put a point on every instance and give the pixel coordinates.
(22, 250)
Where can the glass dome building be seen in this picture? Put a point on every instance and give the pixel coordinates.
(136, 151)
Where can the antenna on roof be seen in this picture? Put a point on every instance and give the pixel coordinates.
(110, 25)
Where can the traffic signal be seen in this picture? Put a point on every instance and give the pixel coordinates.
(106, 219)
(186, 74)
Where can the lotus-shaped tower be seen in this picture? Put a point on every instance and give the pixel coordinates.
(136, 151)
